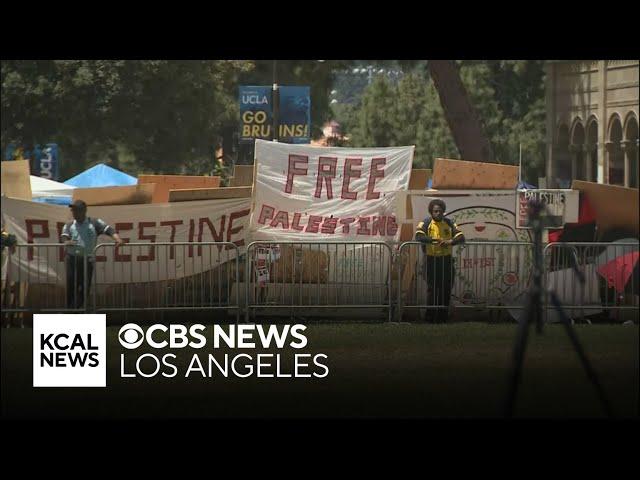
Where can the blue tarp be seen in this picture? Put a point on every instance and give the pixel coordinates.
(61, 200)
(526, 186)
(101, 175)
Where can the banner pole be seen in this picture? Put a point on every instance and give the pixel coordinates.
(520, 166)
(275, 100)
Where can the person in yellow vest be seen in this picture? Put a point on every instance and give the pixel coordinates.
(439, 234)
(8, 240)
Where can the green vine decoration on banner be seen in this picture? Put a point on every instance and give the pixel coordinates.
(489, 213)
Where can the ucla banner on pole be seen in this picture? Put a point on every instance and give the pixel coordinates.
(317, 193)
(256, 114)
(198, 221)
(47, 161)
(44, 162)
(295, 114)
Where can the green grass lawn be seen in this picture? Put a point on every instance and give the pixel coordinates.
(376, 370)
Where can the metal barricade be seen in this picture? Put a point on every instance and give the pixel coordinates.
(39, 277)
(487, 275)
(316, 276)
(593, 278)
(166, 276)
(313, 277)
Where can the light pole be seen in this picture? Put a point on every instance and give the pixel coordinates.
(275, 100)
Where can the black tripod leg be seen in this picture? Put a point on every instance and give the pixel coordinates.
(591, 374)
(518, 361)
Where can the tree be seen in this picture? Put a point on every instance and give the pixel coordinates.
(508, 96)
(164, 113)
(376, 118)
(406, 114)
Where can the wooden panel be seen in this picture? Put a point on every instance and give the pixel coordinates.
(186, 195)
(242, 176)
(409, 273)
(419, 178)
(615, 207)
(406, 232)
(417, 181)
(165, 183)
(128, 195)
(450, 174)
(298, 265)
(16, 180)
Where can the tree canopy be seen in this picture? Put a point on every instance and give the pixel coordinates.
(167, 116)
(508, 97)
(143, 115)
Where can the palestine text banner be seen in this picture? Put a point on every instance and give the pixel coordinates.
(316, 193)
(198, 221)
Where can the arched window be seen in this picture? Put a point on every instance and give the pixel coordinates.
(562, 158)
(615, 155)
(630, 147)
(577, 149)
(592, 149)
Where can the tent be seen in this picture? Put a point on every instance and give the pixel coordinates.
(47, 191)
(43, 187)
(61, 200)
(526, 186)
(101, 175)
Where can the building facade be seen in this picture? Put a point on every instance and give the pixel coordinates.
(592, 122)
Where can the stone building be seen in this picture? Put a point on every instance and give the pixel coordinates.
(592, 122)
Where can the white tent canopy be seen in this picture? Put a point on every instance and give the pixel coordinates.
(43, 187)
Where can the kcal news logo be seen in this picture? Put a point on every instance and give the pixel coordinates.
(69, 350)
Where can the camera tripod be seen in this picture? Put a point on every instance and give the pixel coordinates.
(533, 313)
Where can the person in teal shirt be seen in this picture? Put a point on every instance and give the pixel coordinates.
(81, 236)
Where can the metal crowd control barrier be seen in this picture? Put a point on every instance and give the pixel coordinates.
(490, 275)
(609, 272)
(166, 277)
(38, 278)
(315, 276)
(312, 276)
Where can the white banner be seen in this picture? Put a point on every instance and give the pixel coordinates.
(561, 206)
(571, 292)
(494, 273)
(198, 221)
(482, 216)
(318, 193)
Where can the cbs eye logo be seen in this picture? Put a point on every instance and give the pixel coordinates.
(131, 336)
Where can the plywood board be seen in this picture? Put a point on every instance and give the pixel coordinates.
(419, 178)
(128, 195)
(614, 207)
(417, 181)
(188, 195)
(242, 176)
(409, 272)
(297, 265)
(16, 180)
(406, 232)
(461, 174)
(165, 183)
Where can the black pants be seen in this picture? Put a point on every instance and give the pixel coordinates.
(76, 280)
(439, 282)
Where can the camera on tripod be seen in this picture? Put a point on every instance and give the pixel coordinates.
(533, 314)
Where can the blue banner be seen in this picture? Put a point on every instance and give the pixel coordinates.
(295, 114)
(10, 152)
(256, 118)
(43, 162)
(46, 161)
